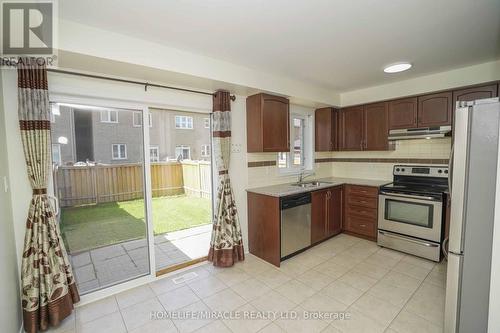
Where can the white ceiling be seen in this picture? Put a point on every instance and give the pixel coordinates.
(337, 44)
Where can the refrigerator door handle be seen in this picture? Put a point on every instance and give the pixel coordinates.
(450, 169)
(459, 180)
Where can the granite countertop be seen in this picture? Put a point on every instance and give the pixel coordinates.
(283, 190)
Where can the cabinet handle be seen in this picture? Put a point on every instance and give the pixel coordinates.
(362, 225)
(327, 212)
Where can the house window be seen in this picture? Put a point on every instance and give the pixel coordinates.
(119, 151)
(54, 111)
(183, 152)
(56, 154)
(154, 153)
(109, 116)
(183, 122)
(206, 122)
(138, 119)
(205, 150)
(300, 156)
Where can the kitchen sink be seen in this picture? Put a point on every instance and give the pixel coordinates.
(313, 183)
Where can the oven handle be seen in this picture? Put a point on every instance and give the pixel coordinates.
(408, 196)
(408, 239)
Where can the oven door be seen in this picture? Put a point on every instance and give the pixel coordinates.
(411, 215)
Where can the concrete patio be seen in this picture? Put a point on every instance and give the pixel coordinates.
(112, 264)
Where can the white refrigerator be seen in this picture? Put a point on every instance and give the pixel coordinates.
(473, 197)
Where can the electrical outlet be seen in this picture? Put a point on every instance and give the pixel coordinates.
(236, 148)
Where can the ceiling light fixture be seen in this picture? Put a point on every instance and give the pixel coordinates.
(396, 68)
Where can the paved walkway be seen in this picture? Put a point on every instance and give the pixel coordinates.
(109, 265)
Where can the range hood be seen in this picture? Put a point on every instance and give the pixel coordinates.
(419, 133)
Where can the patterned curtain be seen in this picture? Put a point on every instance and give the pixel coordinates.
(226, 246)
(48, 285)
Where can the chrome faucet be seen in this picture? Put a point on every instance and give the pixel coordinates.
(302, 177)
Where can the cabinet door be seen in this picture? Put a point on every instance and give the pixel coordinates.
(335, 207)
(471, 94)
(376, 127)
(319, 209)
(403, 113)
(326, 134)
(435, 109)
(352, 128)
(275, 124)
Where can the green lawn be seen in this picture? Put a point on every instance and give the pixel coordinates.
(88, 227)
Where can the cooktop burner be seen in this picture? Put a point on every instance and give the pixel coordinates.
(418, 180)
(421, 188)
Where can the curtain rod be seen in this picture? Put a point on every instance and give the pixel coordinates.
(145, 84)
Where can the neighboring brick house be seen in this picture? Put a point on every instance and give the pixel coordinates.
(111, 137)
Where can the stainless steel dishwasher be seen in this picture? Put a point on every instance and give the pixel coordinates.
(295, 223)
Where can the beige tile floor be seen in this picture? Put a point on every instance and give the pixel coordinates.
(380, 289)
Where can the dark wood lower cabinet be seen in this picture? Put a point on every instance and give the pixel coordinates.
(330, 215)
(361, 211)
(336, 210)
(264, 224)
(326, 213)
(319, 209)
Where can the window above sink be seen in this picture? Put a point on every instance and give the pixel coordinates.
(300, 156)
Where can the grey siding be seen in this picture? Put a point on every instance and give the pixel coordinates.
(163, 135)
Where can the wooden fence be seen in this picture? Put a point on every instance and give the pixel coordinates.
(85, 185)
(196, 176)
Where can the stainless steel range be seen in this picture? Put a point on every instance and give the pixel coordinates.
(411, 210)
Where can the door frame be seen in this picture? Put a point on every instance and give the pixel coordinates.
(146, 174)
(144, 108)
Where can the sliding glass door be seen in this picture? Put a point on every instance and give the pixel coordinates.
(114, 203)
(181, 169)
(98, 179)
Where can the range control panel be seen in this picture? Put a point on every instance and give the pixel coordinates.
(421, 171)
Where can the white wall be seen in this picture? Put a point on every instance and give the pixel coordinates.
(10, 305)
(83, 39)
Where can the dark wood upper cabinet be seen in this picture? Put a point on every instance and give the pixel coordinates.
(403, 113)
(471, 94)
(326, 129)
(435, 109)
(268, 128)
(376, 130)
(351, 123)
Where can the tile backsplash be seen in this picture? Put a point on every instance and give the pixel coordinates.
(438, 149)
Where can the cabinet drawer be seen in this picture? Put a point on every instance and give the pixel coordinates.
(362, 190)
(361, 226)
(369, 213)
(358, 200)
